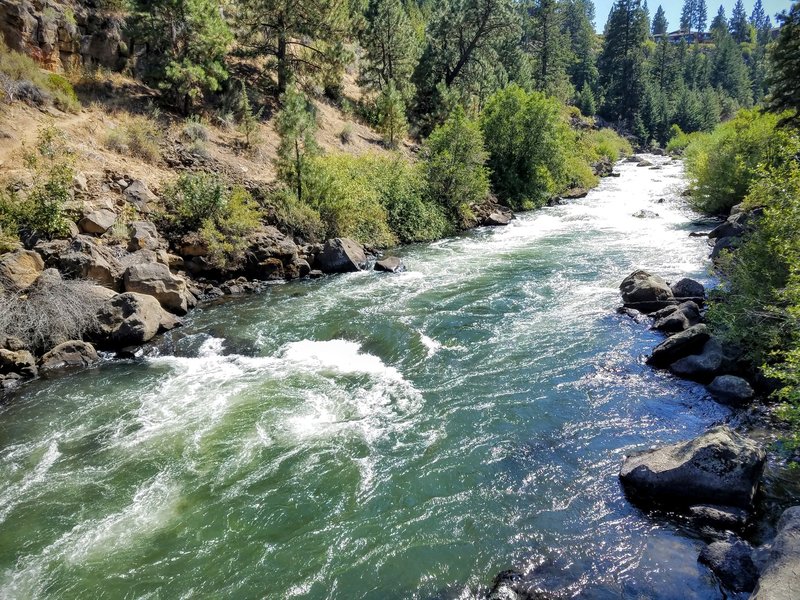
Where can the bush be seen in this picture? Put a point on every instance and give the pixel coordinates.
(529, 146)
(346, 134)
(724, 164)
(195, 130)
(22, 79)
(597, 144)
(679, 141)
(136, 135)
(223, 216)
(297, 217)
(454, 162)
(50, 312)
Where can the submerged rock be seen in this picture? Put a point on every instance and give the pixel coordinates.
(646, 214)
(780, 575)
(679, 346)
(342, 255)
(718, 467)
(732, 563)
(645, 292)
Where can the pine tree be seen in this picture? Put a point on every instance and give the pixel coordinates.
(784, 57)
(700, 15)
(391, 114)
(739, 27)
(248, 120)
(586, 102)
(688, 14)
(548, 45)
(660, 23)
(759, 16)
(301, 36)
(391, 46)
(729, 71)
(664, 67)
(719, 26)
(296, 125)
(621, 62)
(187, 41)
(579, 26)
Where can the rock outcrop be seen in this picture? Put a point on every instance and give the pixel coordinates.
(780, 574)
(155, 279)
(718, 467)
(19, 269)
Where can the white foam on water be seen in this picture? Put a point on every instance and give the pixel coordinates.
(12, 495)
(153, 507)
(430, 344)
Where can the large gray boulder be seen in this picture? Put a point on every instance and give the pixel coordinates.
(342, 255)
(679, 318)
(85, 259)
(155, 279)
(142, 236)
(98, 221)
(718, 467)
(19, 362)
(645, 292)
(19, 269)
(780, 576)
(731, 390)
(130, 319)
(689, 289)
(701, 367)
(390, 264)
(732, 562)
(679, 346)
(74, 354)
(138, 194)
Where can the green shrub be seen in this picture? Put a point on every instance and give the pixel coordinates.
(195, 130)
(529, 145)
(136, 135)
(223, 216)
(25, 80)
(64, 96)
(597, 144)
(679, 141)
(454, 160)
(296, 217)
(724, 164)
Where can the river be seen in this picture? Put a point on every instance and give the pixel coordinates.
(374, 436)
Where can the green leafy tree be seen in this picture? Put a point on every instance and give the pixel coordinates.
(660, 23)
(391, 46)
(301, 37)
(391, 115)
(527, 140)
(621, 62)
(187, 43)
(454, 160)
(296, 125)
(784, 78)
(739, 27)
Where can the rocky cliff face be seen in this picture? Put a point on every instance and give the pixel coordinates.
(63, 34)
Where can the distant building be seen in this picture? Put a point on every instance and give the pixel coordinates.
(690, 37)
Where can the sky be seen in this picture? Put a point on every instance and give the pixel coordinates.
(673, 9)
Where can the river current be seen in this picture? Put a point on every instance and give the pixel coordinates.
(375, 436)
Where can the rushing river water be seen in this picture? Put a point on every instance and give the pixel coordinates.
(375, 436)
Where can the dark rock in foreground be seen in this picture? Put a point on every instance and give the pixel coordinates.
(732, 390)
(719, 467)
(701, 367)
(732, 563)
(689, 289)
(718, 517)
(645, 292)
(679, 346)
(780, 575)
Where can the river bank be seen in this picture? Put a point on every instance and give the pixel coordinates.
(371, 436)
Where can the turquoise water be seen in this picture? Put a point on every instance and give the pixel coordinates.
(375, 436)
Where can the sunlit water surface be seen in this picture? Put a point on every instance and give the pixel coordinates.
(375, 436)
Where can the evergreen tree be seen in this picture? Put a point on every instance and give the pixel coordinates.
(688, 14)
(784, 57)
(660, 23)
(700, 15)
(664, 67)
(719, 26)
(729, 71)
(187, 41)
(740, 28)
(621, 63)
(548, 45)
(586, 102)
(758, 17)
(301, 36)
(391, 114)
(391, 46)
(248, 120)
(579, 25)
(296, 124)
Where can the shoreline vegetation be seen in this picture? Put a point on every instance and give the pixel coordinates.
(215, 170)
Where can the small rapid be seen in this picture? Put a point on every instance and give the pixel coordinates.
(373, 436)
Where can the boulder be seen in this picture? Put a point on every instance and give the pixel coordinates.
(390, 264)
(679, 345)
(679, 319)
(646, 214)
(85, 259)
(17, 362)
(645, 292)
(718, 467)
(644, 163)
(129, 319)
(498, 218)
(731, 390)
(724, 518)
(155, 279)
(98, 221)
(727, 229)
(69, 355)
(142, 236)
(193, 244)
(19, 269)
(689, 289)
(723, 244)
(138, 194)
(732, 563)
(701, 367)
(342, 255)
(297, 268)
(780, 575)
